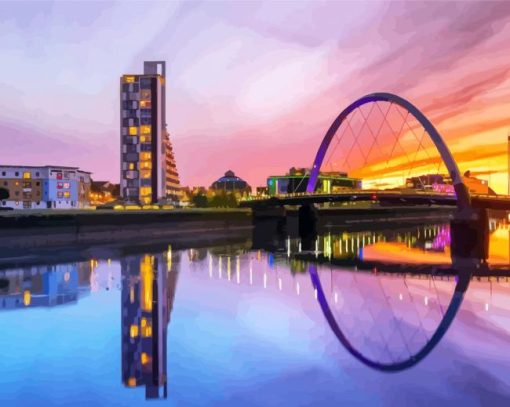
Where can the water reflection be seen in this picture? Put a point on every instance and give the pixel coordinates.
(412, 340)
(388, 316)
(148, 290)
(45, 286)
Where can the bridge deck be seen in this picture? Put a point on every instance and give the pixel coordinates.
(501, 202)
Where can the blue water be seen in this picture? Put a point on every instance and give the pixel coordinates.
(244, 329)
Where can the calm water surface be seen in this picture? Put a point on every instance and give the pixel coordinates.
(234, 326)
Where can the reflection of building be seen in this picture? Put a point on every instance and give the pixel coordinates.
(297, 179)
(146, 156)
(45, 286)
(148, 289)
(230, 183)
(45, 187)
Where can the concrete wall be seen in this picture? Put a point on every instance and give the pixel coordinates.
(24, 231)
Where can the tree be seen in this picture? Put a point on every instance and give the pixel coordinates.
(199, 201)
(4, 193)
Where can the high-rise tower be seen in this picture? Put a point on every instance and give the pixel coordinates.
(144, 141)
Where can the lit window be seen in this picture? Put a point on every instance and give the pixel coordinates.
(145, 129)
(144, 358)
(145, 104)
(145, 191)
(132, 382)
(129, 79)
(144, 156)
(142, 139)
(26, 298)
(27, 175)
(131, 166)
(67, 194)
(133, 331)
(133, 131)
(67, 185)
(145, 94)
(145, 174)
(147, 331)
(60, 185)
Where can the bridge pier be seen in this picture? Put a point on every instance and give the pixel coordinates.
(469, 232)
(269, 227)
(307, 225)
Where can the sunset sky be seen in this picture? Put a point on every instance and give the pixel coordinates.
(251, 86)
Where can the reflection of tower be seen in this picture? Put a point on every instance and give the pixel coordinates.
(147, 295)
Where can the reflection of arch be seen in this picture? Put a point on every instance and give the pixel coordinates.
(453, 307)
(463, 198)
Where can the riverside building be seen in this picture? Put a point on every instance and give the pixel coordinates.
(148, 173)
(296, 181)
(50, 186)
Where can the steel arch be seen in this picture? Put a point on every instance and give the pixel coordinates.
(461, 287)
(462, 193)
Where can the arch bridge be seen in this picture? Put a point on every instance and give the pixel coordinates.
(387, 142)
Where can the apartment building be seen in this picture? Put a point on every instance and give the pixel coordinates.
(52, 187)
(146, 154)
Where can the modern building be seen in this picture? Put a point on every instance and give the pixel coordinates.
(146, 154)
(231, 183)
(296, 180)
(45, 187)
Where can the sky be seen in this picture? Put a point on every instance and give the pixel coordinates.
(251, 86)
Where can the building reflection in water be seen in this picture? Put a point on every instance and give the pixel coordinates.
(148, 289)
(43, 286)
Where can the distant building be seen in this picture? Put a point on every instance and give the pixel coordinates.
(427, 181)
(50, 186)
(103, 191)
(148, 173)
(262, 191)
(296, 180)
(443, 183)
(231, 183)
